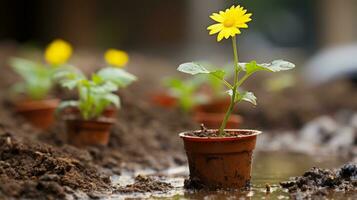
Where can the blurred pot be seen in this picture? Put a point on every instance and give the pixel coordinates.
(216, 106)
(82, 133)
(163, 100)
(214, 120)
(110, 112)
(40, 113)
(221, 162)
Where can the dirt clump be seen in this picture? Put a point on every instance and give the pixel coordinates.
(320, 182)
(145, 184)
(35, 170)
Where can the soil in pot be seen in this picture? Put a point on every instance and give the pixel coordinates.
(82, 133)
(219, 162)
(110, 112)
(40, 113)
(214, 120)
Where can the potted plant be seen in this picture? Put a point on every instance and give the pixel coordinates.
(35, 102)
(89, 120)
(221, 158)
(189, 96)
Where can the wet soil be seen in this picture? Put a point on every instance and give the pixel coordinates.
(319, 182)
(145, 184)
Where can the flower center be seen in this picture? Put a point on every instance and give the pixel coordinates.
(228, 22)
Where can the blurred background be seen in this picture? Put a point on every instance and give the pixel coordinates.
(295, 29)
(319, 36)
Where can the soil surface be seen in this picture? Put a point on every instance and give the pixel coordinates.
(145, 184)
(30, 169)
(318, 182)
(213, 133)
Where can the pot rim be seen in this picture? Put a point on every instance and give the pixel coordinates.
(103, 120)
(220, 139)
(30, 105)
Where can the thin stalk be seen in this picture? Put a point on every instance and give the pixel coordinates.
(233, 98)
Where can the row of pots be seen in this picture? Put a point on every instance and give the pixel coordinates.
(214, 162)
(80, 133)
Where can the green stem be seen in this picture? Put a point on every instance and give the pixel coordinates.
(234, 89)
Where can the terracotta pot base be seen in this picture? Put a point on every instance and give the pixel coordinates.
(83, 133)
(221, 162)
(40, 113)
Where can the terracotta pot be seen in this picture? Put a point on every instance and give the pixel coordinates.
(83, 133)
(164, 100)
(221, 162)
(40, 113)
(216, 106)
(214, 120)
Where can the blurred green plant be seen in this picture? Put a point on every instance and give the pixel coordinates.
(188, 91)
(94, 94)
(38, 77)
(280, 83)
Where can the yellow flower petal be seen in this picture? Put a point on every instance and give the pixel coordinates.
(229, 22)
(216, 17)
(58, 52)
(116, 58)
(215, 28)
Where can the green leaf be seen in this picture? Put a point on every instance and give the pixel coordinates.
(118, 76)
(66, 104)
(275, 66)
(244, 96)
(37, 78)
(192, 68)
(107, 87)
(248, 96)
(218, 74)
(112, 98)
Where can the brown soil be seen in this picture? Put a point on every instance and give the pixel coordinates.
(204, 132)
(34, 170)
(145, 184)
(319, 182)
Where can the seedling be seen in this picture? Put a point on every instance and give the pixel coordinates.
(95, 94)
(38, 77)
(188, 91)
(229, 24)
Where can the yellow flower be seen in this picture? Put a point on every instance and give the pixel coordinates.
(229, 22)
(58, 52)
(116, 58)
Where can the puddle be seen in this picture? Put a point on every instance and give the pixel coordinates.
(268, 168)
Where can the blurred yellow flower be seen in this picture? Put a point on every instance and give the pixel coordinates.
(229, 22)
(58, 52)
(116, 58)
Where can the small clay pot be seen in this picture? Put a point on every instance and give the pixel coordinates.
(221, 162)
(40, 113)
(214, 120)
(83, 133)
(216, 106)
(163, 100)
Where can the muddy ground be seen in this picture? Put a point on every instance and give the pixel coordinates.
(41, 165)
